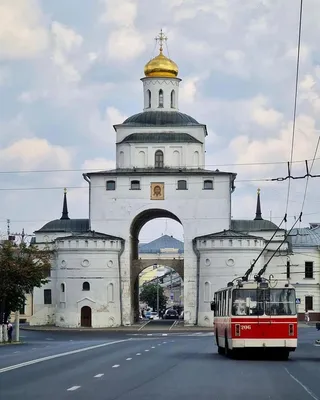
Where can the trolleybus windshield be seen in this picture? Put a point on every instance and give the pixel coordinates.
(263, 301)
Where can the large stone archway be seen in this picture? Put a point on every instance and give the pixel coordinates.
(138, 264)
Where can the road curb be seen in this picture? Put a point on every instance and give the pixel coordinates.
(116, 330)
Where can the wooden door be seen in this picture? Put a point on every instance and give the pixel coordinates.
(86, 317)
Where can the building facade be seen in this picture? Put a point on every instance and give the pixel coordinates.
(160, 158)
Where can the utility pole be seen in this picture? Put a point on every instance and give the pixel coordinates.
(171, 293)
(17, 327)
(158, 296)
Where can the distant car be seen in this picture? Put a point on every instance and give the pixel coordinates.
(154, 316)
(170, 314)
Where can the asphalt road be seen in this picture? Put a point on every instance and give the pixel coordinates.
(175, 366)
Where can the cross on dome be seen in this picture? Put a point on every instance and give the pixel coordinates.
(161, 38)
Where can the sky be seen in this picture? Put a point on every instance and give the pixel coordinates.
(70, 70)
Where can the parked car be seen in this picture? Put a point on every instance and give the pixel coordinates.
(171, 314)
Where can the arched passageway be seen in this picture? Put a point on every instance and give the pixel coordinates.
(141, 261)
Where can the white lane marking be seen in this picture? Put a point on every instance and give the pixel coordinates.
(116, 366)
(146, 350)
(159, 344)
(128, 359)
(73, 388)
(164, 342)
(49, 338)
(143, 325)
(68, 353)
(173, 325)
(16, 352)
(164, 334)
(149, 334)
(153, 347)
(98, 375)
(303, 386)
(138, 354)
(34, 348)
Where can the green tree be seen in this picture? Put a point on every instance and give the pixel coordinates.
(22, 268)
(149, 295)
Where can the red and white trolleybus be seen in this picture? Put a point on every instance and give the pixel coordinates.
(253, 314)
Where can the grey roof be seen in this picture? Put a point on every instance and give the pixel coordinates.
(304, 237)
(228, 234)
(243, 225)
(161, 171)
(66, 225)
(160, 137)
(160, 118)
(163, 242)
(90, 235)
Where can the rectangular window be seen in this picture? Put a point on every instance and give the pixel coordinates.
(47, 296)
(308, 303)
(308, 269)
(23, 309)
(111, 185)
(208, 185)
(135, 185)
(182, 185)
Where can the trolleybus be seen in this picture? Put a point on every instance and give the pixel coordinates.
(253, 314)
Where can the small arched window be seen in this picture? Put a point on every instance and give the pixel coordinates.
(160, 98)
(86, 286)
(158, 159)
(63, 287)
(182, 185)
(208, 185)
(173, 99)
(148, 98)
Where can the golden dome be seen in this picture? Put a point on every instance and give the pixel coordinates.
(161, 66)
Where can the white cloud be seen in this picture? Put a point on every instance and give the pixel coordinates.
(124, 40)
(98, 164)
(101, 126)
(125, 44)
(66, 43)
(22, 30)
(119, 12)
(34, 154)
(263, 116)
(188, 90)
